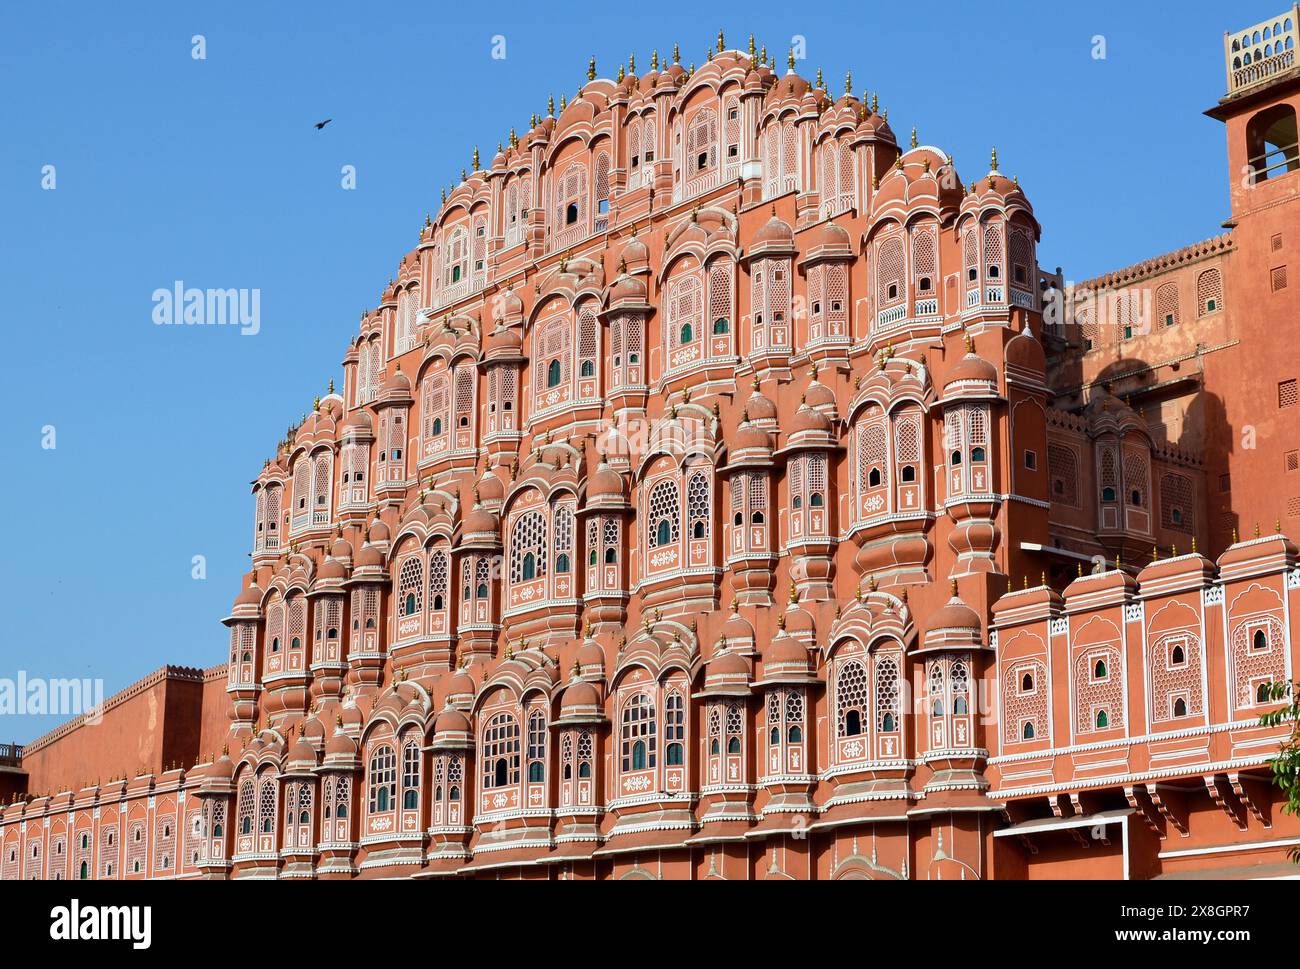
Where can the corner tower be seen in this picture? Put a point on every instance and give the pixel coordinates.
(1257, 479)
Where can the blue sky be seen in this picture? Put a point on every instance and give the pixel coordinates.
(211, 172)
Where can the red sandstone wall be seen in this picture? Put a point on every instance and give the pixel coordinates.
(144, 728)
(213, 712)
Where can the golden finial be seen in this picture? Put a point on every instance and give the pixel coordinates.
(1026, 582)
(780, 621)
(1042, 579)
(1155, 553)
(751, 48)
(677, 54)
(914, 141)
(462, 174)
(1193, 544)
(762, 57)
(848, 83)
(1173, 551)
(820, 83)
(1081, 570)
(875, 103)
(1234, 535)
(871, 584)
(444, 195)
(564, 103)
(790, 60)
(591, 68)
(994, 166)
(550, 105)
(735, 604)
(952, 587)
(654, 60)
(631, 63)
(794, 595)
(621, 73)
(1257, 529)
(1277, 526)
(721, 43)
(476, 156)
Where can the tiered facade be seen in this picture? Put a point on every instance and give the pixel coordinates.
(709, 495)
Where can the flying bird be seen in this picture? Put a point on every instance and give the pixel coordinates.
(322, 124)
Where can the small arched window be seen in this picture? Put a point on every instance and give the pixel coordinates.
(1099, 670)
(721, 326)
(553, 374)
(1027, 732)
(852, 724)
(1103, 720)
(530, 566)
(1027, 683)
(663, 533)
(1259, 641)
(687, 333)
(1180, 707)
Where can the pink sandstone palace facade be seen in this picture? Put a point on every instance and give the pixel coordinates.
(719, 489)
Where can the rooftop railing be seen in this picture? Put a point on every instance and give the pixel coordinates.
(1260, 52)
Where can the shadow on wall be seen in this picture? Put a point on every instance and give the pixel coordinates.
(1182, 418)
